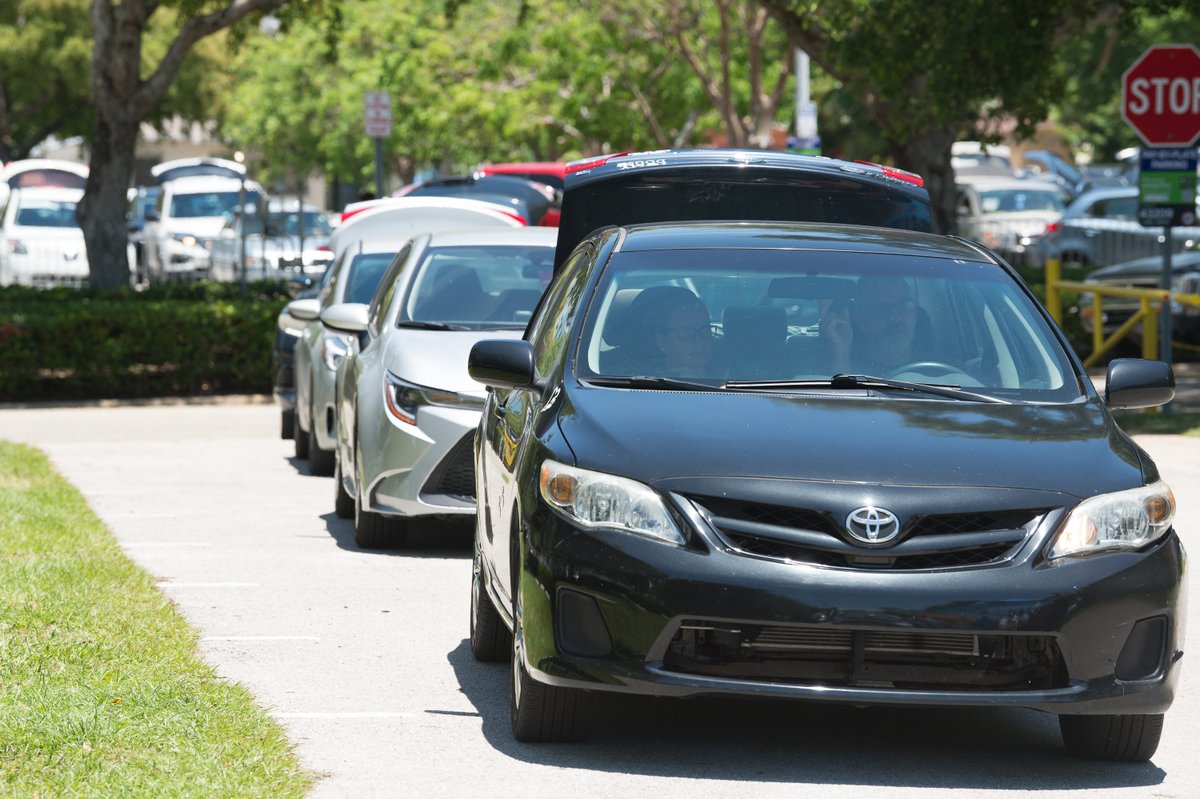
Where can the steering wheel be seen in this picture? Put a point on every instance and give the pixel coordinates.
(930, 368)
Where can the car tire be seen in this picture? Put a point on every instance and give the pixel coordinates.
(1129, 738)
(377, 531)
(545, 713)
(300, 437)
(287, 424)
(490, 639)
(320, 461)
(343, 503)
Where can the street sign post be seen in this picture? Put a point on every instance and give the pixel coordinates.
(377, 119)
(1160, 100)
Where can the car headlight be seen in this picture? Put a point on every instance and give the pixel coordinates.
(403, 399)
(186, 239)
(333, 349)
(1123, 520)
(595, 499)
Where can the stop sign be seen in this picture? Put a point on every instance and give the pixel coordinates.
(1160, 95)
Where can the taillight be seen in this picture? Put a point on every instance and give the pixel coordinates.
(591, 163)
(324, 248)
(1053, 227)
(896, 174)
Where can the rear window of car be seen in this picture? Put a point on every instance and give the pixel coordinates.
(1014, 200)
(764, 312)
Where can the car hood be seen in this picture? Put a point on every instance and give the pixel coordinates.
(437, 358)
(654, 436)
(203, 226)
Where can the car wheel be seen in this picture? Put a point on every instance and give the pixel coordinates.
(300, 438)
(377, 531)
(490, 639)
(343, 503)
(545, 713)
(1130, 738)
(287, 424)
(320, 461)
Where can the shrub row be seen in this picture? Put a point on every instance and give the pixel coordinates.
(198, 338)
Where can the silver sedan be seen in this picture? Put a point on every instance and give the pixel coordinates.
(407, 409)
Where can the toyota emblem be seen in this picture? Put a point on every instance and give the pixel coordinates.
(872, 525)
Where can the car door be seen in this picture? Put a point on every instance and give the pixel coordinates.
(509, 417)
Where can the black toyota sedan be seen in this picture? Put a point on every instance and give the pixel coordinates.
(823, 462)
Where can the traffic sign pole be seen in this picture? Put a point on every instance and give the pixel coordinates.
(380, 186)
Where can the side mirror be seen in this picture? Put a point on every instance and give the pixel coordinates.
(303, 310)
(297, 284)
(346, 317)
(1138, 383)
(502, 363)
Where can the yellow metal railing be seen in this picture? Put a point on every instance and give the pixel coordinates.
(1150, 304)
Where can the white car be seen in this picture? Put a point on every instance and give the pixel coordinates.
(188, 215)
(362, 247)
(407, 409)
(38, 173)
(1010, 215)
(274, 250)
(40, 240)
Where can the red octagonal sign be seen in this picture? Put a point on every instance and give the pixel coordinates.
(1160, 95)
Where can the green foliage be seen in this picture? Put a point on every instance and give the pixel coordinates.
(103, 694)
(45, 51)
(200, 338)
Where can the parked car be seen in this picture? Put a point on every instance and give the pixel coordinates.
(407, 410)
(1051, 167)
(1009, 215)
(273, 248)
(143, 200)
(33, 173)
(551, 173)
(1146, 273)
(529, 199)
(751, 522)
(40, 240)
(189, 213)
(1100, 227)
(363, 246)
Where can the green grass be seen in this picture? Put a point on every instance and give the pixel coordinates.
(101, 693)
(1181, 423)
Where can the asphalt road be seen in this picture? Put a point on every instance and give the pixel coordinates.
(363, 656)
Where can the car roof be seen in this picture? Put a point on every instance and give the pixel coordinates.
(527, 236)
(796, 236)
(197, 184)
(197, 167)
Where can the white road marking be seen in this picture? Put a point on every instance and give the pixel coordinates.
(366, 715)
(168, 584)
(260, 638)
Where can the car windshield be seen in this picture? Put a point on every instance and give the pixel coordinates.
(209, 203)
(479, 287)
(47, 213)
(716, 316)
(363, 275)
(1012, 200)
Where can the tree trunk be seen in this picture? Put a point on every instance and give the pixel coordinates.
(928, 154)
(102, 209)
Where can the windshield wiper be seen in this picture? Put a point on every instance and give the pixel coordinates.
(843, 381)
(643, 381)
(412, 323)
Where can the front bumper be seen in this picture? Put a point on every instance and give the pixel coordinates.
(615, 612)
(427, 469)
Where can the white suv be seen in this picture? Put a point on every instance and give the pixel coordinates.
(189, 213)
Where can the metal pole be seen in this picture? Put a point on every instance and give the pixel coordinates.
(1164, 320)
(380, 187)
(300, 225)
(802, 93)
(242, 216)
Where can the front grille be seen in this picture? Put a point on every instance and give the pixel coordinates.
(455, 475)
(840, 656)
(798, 535)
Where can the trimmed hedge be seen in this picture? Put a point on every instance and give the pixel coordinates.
(195, 338)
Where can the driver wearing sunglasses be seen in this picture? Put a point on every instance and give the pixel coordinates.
(684, 336)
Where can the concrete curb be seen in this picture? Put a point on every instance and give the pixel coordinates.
(147, 402)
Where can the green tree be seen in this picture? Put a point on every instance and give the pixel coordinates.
(930, 73)
(45, 48)
(125, 92)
